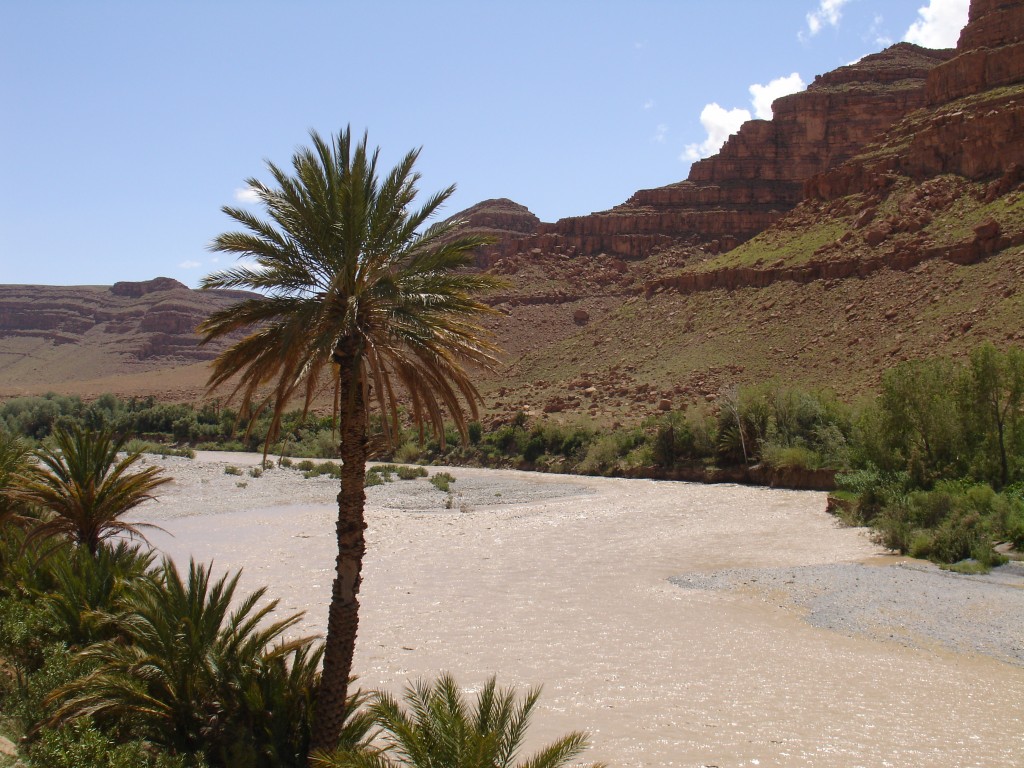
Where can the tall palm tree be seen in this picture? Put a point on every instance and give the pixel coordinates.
(85, 488)
(358, 290)
(438, 727)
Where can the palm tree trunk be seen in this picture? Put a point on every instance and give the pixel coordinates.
(343, 616)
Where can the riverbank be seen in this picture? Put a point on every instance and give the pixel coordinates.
(565, 581)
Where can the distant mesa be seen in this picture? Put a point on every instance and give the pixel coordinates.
(500, 215)
(134, 290)
(756, 178)
(115, 331)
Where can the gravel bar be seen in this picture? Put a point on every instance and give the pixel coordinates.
(915, 604)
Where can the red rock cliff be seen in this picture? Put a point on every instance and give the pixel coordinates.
(759, 174)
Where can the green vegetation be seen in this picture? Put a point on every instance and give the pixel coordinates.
(442, 481)
(939, 459)
(116, 663)
(112, 662)
(790, 247)
(934, 422)
(438, 727)
(84, 487)
(156, 426)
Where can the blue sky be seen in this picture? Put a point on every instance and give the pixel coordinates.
(127, 125)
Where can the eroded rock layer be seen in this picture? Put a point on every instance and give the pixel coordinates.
(759, 173)
(52, 334)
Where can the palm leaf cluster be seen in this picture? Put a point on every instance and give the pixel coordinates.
(185, 670)
(438, 728)
(355, 286)
(355, 289)
(15, 458)
(83, 487)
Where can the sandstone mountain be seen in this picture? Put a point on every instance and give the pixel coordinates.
(127, 338)
(878, 216)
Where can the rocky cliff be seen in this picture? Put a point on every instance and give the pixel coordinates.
(760, 172)
(53, 334)
(874, 248)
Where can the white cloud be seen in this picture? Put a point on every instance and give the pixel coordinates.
(762, 96)
(720, 123)
(190, 264)
(246, 195)
(649, 104)
(828, 13)
(661, 133)
(938, 24)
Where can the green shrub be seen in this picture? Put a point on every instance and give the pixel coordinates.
(605, 454)
(442, 481)
(534, 449)
(408, 452)
(323, 468)
(26, 628)
(255, 472)
(82, 746)
(410, 473)
(789, 457)
(230, 469)
(135, 445)
(29, 704)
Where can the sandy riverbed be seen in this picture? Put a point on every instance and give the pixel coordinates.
(682, 625)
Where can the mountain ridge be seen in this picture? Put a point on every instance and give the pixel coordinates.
(878, 216)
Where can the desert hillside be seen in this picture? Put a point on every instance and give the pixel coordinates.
(877, 217)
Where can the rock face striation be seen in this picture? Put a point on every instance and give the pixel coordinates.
(50, 333)
(973, 121)
(760, 172)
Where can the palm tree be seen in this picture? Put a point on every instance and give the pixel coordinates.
(438, 727)
(88, 588)
(192, 674)
(15, 458)
(358, 290)
(86, 488)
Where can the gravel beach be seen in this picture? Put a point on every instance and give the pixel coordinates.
(680, 624)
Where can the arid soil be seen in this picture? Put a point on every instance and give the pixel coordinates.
(680, 624)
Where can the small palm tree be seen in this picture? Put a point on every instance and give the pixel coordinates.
(358, 291)
(85, 488)
(88, 588)
(439, 728)
(193, 674)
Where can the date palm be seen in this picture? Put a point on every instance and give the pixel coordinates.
(15, 458)
(195, 668)
(357, 290)
(85, 489)
(438, 727)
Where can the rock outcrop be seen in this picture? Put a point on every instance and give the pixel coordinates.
(49, 333)
(501, 220)
(990, 53)
(760, 172)
(973, 123)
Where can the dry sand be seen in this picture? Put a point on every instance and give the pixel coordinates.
(681, 624)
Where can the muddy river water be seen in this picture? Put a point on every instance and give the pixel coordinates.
(679, 624)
